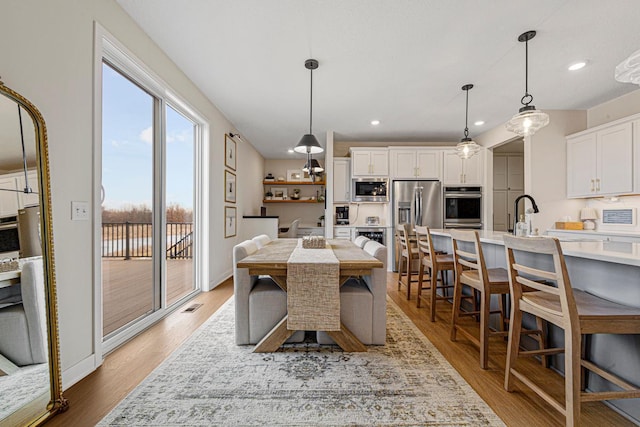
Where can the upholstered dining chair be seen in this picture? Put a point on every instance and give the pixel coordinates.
(471, 270)
(437, 264)
(261, 240)
(259, 302)
(363, 302)
(361, 241)
(291, 231)
(576, 312)
(23, 326)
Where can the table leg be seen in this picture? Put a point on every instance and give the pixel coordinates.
(346, 340)
(275, 338)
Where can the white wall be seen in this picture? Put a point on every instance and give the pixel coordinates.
(47, 50)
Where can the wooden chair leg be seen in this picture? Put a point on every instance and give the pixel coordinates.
(502, 306)
(572, 378)
(420, 281)
(485, 309)
(455, 314)
(542, 341)
(400, 267)
(513, 345)
(409, 278)
(434, 287)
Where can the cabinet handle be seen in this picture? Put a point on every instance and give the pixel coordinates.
(593, 185)
(464, 178)
(461, 178)
(597, 184)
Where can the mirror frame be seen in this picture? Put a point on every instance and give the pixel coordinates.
(57, 402)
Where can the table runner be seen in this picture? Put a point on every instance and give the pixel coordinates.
(313, 290)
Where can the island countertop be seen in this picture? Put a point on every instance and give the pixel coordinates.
(617, 252)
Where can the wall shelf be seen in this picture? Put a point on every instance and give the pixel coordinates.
(276, 183)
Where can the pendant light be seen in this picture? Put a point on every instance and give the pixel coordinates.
(467, 147)
(308, 143)
(528, 120)
(315, 167)
(27, 188)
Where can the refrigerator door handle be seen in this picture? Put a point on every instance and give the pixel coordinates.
(417, 194)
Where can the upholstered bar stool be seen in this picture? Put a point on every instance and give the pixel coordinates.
(471, 270)
(436, 264)
(409, 255)
(576, 312)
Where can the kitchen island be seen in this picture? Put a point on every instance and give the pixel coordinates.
(610, 270)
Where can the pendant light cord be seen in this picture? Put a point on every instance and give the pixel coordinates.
(311, 103)
(27, 189)
(527, 98)
(466, 117)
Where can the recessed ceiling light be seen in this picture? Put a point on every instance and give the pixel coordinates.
(375, 122)
(479, 123)
(577, 65)
(290, 150)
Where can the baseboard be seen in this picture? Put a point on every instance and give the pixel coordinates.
(219, 280)
(78, 371)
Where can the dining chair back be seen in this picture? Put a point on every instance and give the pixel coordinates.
(554, 299)
(409, 255)
(290, 232)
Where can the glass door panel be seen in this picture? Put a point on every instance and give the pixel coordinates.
(179, 201)
(129, 284)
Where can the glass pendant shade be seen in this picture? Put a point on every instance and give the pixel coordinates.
(628, 71)
(467, 148)
(528, 120)
(308, 145)
(315, 167)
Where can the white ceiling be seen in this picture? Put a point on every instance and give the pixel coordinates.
(402, 62)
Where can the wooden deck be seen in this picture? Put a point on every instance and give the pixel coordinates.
(128, 290)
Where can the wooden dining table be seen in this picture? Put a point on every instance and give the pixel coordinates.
(272, 260)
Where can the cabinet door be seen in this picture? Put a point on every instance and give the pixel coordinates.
(360, 163)
(452, 168)
(428, 164)
(403, 163)
(380, 163)
(500, 179)
(515, 173)
(500, 218)
(472, 170)
(581, 166)
(341, 180)
(31, 199)
(615, 160)
(8, 199)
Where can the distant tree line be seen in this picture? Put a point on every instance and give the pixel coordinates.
(142, 214)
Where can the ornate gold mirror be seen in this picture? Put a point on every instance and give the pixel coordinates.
(30, 377)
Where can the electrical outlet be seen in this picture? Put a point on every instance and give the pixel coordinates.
(79, 211)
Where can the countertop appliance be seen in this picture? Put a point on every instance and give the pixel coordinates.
(463, 207)
(373, 220)
(416, 203)
(342, 215)
(369, 190)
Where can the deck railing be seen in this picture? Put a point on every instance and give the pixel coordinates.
(134, 240)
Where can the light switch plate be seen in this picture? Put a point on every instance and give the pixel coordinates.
(79, 211)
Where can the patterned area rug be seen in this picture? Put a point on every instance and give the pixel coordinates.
(211, 381)
(23, 386)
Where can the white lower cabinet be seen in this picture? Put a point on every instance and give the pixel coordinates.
(344, 233)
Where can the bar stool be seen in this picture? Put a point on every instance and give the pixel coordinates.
(471, 270)
(408, 254)
(575, 311)
(436, 264)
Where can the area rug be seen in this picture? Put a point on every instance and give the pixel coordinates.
(209, 381)
(25, 385)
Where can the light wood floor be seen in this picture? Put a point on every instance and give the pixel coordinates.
(93, 397)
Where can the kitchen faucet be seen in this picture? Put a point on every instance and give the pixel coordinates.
(515, 209)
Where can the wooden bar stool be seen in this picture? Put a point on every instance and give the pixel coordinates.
(437, 264)
(575, 311)
(408, 254)
(471, 270)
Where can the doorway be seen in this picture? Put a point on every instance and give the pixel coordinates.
(508, 183)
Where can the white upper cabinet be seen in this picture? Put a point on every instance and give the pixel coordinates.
(415, 163)
(459, 171)
(600, 161)
(341, 180)
(369, 162)
(11, 201)
(28, 199)
(8, 199)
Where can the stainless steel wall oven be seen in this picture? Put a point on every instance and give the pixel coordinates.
(463, 207)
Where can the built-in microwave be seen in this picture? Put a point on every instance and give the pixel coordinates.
(9, 238)
(369, 190)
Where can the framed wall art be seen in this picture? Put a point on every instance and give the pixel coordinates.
(229, 221)
(229, 186)
(230, 160)
(294, 175)
(279, 193)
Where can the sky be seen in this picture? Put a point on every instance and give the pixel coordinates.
(127, 147)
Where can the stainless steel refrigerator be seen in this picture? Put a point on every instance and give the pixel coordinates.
(416, 203)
